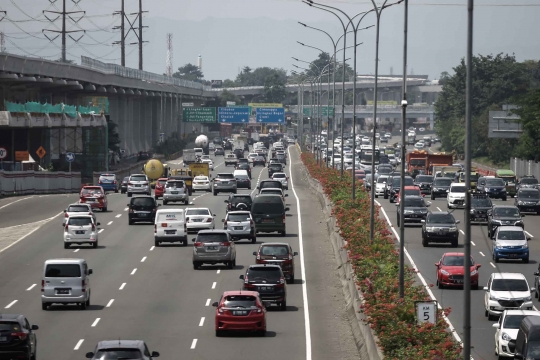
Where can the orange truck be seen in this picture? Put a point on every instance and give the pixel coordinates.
(423, 161)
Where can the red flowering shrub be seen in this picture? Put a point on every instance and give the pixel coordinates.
(376, 265)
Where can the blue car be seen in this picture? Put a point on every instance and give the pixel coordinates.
(108, 182)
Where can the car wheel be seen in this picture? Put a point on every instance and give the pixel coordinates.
(116, 191)
(156, 243)
(491, 317)
(165, 202)
(283, 305)
(391, 199)
(526, 260)
(496, 259)
(474, 287)
(104, 209)
(66, 245)
(44, 306)
(432, 196)
(261, 333)
(82, 306)
(95, 245)
(234, 263)
(439, 284)
(130, 222)
(196, 265)
(253, 239)
(88, 302)
(156, 197)
(219, 333)
(385, 195)
(455, 243)
(504, 198)
(215, 193)
(185, 241)
(485, 313)
(129, 194)
(376, 196)
(284, 233)
(229, 264)
(398, 222)
(425, 242)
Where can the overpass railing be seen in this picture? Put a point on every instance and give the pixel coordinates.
(428, 109)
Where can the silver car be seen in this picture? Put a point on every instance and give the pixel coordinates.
(138, 184)
(78, 209)
(213, 247)
(283, 178)
(175, 190)
(224, 182)
(240, 225)
(65, 281)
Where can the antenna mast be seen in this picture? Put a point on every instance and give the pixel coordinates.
(169, 67)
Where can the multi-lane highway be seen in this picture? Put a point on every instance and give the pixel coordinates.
(153, 294)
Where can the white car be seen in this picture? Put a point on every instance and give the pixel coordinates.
(209, 162)
(240, 225)
(81, 229)
(199, 219)
(252, 156)
(283, 178)
(388, 135)
(508, 328)
(201, 183)
(507, 291)
(78, 209)
(392, 159)
(380, 185)
(456, 195)
(422, 129)
(419, 145)
(324, 132)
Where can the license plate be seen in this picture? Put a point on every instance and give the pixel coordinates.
(224, 182)
(458, 281)
(531, 210)
(174, 192)
(240, 312)
(214, 248)
(79, 232)
(3, 338)
(274, 263)
(197, 220)
(238, 228)
(170, 232)
(413, 216)
(268, 220)
(91, 200)
(137, 185)
(265, 288)
(142, 215)
(513, 255)
(62, 291)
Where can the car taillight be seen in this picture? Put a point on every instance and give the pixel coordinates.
(89, 213)
(66, 215)
(114, 182)
(83, 286)
(283, 217)
(282, 280)
(155, 229)
(100, 182)
(130, 210)
(251, 223)
(93, 227)
(225, 243)
(66, 228)
(154, 209)
(42, 285)
(209, 220)
(290, 257)
(246, 280)
(258, 256)
(197, 244)
(130, 183)
(20, 335)
(225, 224)
(163, 224)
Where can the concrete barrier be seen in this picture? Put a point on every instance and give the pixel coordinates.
(38, 182)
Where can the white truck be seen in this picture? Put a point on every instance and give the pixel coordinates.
(238, 144)
(189, 156)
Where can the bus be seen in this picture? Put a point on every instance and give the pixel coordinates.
(366, 152)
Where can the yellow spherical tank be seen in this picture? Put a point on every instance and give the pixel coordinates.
(153, 169)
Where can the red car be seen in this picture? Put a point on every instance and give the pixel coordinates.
(240, 310)
(450, 270)
(94, 196)
(277, 254)
(413, 190)
(160, 187)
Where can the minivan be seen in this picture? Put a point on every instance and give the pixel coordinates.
(273, 184)
(527, 343)
(170, 226)
(65, 281)
(242, 179)
(268, 212)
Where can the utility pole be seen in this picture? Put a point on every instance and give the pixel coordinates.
(63, 32)
(2, 42)
(122, 41)
(168, 65)
(137, 30)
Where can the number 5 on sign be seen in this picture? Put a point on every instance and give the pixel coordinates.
(426, 311)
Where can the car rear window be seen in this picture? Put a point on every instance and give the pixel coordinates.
(9, 326)
(509, 285)
(442, 182)
(275, 166)
(210, 238)
(197, 212)
(414, 202)
(225, 176)
(92, 191)
(268, 207)
(242, 176)
(162, 182)
(511, 235)
(458, 189)
(78, 221)
(138, 178)
(494, 182)
(271, 192)
(142, 201)
(275, 250)
(424, 178)
(506, 212)
(238, 217)
(279, 176)
(174, 184)
(63, 270)
(271, 184)
(264, 273)
(106, 177)
(115, 354)
(529, 195)
(529, 181)
(241, 199)
(240, 301)
(77, 208)
(412, 192)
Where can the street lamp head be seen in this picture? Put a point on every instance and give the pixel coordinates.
(294, 58)
(301, 43)
(302, 24)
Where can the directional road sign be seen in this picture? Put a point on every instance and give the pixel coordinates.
(70, 157)
(3, 153)
(233, 115)
(271, 115)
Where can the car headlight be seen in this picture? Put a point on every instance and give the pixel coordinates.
(474, 272)
(408, 212)
(487, 189)
(430, 228)
(453, 229)
(491, 297)
(506, 337)
(444, 272)
(518, 223)
(496, 222)
(472, 211)
(520, 202)
(528, 298)
(526, 246)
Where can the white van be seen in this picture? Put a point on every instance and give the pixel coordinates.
(65, 281)
(242, 173)
(170, 226)
(199, 152)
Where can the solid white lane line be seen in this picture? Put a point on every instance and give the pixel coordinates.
(134, 271)
(100, 231)
(526, 232)
(214, 285)
(201, 322)
(11, 304)
(79, 343)
(207, 302)
(193, 344)
(492, 264)
(219, 271)
(122, 286)
(118, 215)
(472, 242)
(76, 250)
(110, 303)
(438, 208)
(461, 231)
(109, 223)
(152, 248)
(13, 202)
(95, 322)
(302, 264)
(31, 287)
(143, 259)
(481, 253)
(126, 209)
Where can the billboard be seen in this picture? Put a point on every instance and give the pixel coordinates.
(199, 114)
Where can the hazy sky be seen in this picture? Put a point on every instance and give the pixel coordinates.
(230, 34)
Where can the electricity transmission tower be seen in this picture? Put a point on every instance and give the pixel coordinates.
(137, 31)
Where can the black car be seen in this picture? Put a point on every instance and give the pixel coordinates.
(143, 155)
(503, 215)
(493, 187)
(282, 159)
(123, 186)
(528, 200)
(239, 153)
(415, 210)
(528, 182)
(385, 169)
(18, 340)
(440, 187)
(273, 184)
(424, 182)
(440, 227)
(244, 166)
(243, 181)
(227, 145)
(142, 208)
(219, 151)
(393, 185)
(239, 202)
(268, 281)
(259, 160)
(274, 168)
(480, 205)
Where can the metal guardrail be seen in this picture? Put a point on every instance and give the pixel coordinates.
(114, 69)
(380, 108)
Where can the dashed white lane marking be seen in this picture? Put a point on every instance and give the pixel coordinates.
(461, 231)
(76, 250)
(526, 232)
(95, 322)
(201, 323)
(126, 209)
(122, 286)
(219, 270)
(481, 253)
(13, 202)
(109, 223)
(110, 303)
(79, 343)
(438, 208)
(152, 248)
(492, 264)
(193, 344)
(207, 302)
(31, 287)
(143, 259)
(11, 304)
(134, 271)
(100, 231)
(472, 242)
(214, 285)
(118, 215)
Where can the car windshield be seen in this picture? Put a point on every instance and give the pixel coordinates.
(175, 184)
(264, 273)
(455, 260)
(241, 199)
(441, 219)
(142, 201)
(529, 181)
(268, 208)
(275, 166)
(506, 212)
(210, 238)
(414, 202)
(271, 192)
(138, 178)
(78, 208)
(529, 195)
(442, 182)
(412, 192)
(424, 179)
(509, 285)
(241, 301)
(481, 202)
(242, 177)
(382, 179)
(396, 181)
(275, 250)
(197, 212)
(512, 321)
(385, 170)
(458, 189)
(271, 184)
(63, 270)
(494, 182)
(80, 221)
(9, 326)
(115, 354)
(126, 178)
(511, 235)
(238, 217)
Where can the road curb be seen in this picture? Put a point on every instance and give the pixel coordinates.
(365, 339)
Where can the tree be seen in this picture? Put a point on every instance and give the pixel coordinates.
(529, 112)
(274, 89)
(189, 72)
(228, 83)
(114, 137)
(257, 77)
(444, 77)
(229, 96)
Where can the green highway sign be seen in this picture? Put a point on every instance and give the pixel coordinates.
(199, 114)
(325, 110)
